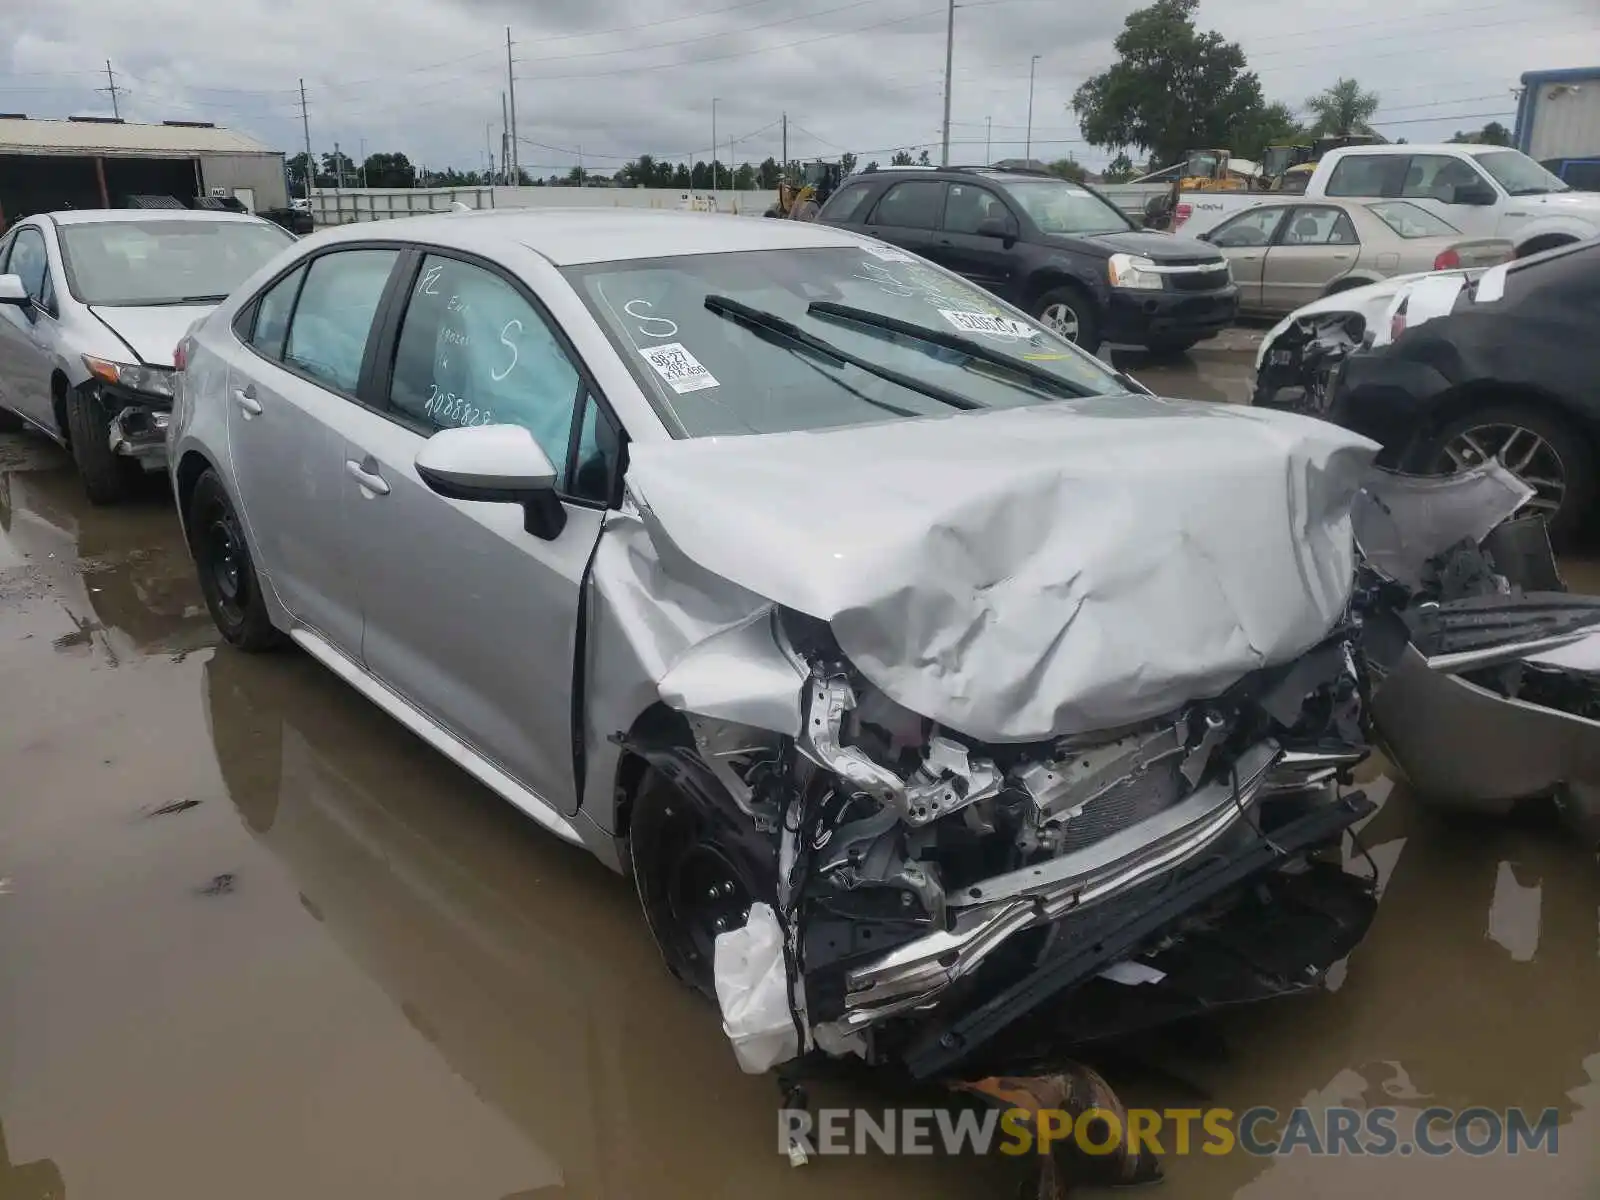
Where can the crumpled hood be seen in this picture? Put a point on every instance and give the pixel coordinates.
(154, 330)
(1020, 574)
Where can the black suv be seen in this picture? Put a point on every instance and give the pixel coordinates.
(1060, 251)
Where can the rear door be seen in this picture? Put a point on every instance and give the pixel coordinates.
(987, 260)
(293, 385)
(908, 213)
(467, 615)
(1316, 246)
(1244, 241)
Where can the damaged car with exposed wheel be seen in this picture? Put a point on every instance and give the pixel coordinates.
(92, 303)
(950, 700)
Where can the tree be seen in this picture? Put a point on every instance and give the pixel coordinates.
(1172, 88)
(1272, 125)
(902, 158)
(923, 160)
(870, 167)
(1120, 171)
(700, 176)
(744, 179)
(298, 172)
(847, 163)
(767, 174)
(681, 177)
(389, 171)
(1069, 168)
(1492, 134)
(1342, 108)
(339, 167)
(639, 173)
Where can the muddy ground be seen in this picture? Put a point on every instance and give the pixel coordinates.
(260, 942)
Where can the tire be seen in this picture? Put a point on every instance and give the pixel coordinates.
(107, 477)
(1569, 455)
(228, 579)
(1071, 306)
(686, 848)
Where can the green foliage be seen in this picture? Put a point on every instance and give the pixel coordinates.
(1342, 108)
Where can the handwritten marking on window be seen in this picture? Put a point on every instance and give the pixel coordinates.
(430, 277)
(447, 408)
(646, 319)
(505, 341)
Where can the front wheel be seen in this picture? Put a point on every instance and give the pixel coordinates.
(1540, 449)
(699, 865)
(228, 578)
(107, 476)
(1069, 313)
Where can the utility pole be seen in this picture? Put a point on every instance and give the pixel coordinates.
(949, 57)
(361, 171)
(111, 86)
(338, 168)
(988, 141)
(488, 152)
(783, 165)
(511, 88)
(305, 125)
(1027, 152)
(505, 144)
(713, 152)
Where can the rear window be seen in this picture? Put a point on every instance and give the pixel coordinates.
(1409, 221)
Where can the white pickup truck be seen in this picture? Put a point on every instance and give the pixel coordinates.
(1484, 191)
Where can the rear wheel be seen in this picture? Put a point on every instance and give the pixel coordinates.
(1540, 449)
(227, 575)
(1071, 314)
(108, 477)
(699, 865)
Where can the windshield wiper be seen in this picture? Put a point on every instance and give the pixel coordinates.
(950, 341)
(761, 321)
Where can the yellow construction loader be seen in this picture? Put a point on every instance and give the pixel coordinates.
(801, 199)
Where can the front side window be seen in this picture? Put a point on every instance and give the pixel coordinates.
(155, 261)
(1059, 207)
(1519, 174)
(333, 320)
(474, 351)
(29, 262)
(1409, 221)
(914, 204)
(967, 208)
(1253, 228)
(727, 370)
(1437, 176)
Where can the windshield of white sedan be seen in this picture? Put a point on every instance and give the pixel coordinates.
(1519, 174)
(778, 340)
(133, 263)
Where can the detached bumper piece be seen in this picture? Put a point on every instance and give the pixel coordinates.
(141, 433)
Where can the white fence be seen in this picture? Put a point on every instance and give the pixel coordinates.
(329, 207)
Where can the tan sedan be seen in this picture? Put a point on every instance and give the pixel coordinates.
(1289, 254)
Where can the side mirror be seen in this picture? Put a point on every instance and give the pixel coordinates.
(12, 291)
(998, 227)
(495, 464)
(1473, 193)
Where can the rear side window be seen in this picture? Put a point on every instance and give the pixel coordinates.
(272, 315)
(332, 321)
(915, 204)
(1368, 175)
(850, 204)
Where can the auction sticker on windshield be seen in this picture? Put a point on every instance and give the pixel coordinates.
(975, 322)
(682, 370)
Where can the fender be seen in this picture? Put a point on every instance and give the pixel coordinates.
(1576, 229)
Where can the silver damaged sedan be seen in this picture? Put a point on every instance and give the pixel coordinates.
(949, 699)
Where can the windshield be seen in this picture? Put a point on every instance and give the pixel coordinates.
(1409, 221)
(151, 262)
(1519, 174)
(1061, 207)
(708, 374)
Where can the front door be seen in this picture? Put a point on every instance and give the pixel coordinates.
(27, 332)
(291, 401)
(467, 615)
(908, 215)
(1431, 182)
(986, 260)
(1316, 246)
(1244, 240)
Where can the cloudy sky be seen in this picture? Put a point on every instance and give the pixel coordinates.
(620, 77)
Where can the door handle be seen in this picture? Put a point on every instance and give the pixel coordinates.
(370, 480)
(245, 398)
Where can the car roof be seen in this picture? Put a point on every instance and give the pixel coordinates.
(106, 216)
(1408, 148)
(577, 236)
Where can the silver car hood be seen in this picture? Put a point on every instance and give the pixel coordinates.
(1026, 573)
(153, 330)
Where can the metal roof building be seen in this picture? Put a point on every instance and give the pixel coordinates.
(99, 162)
